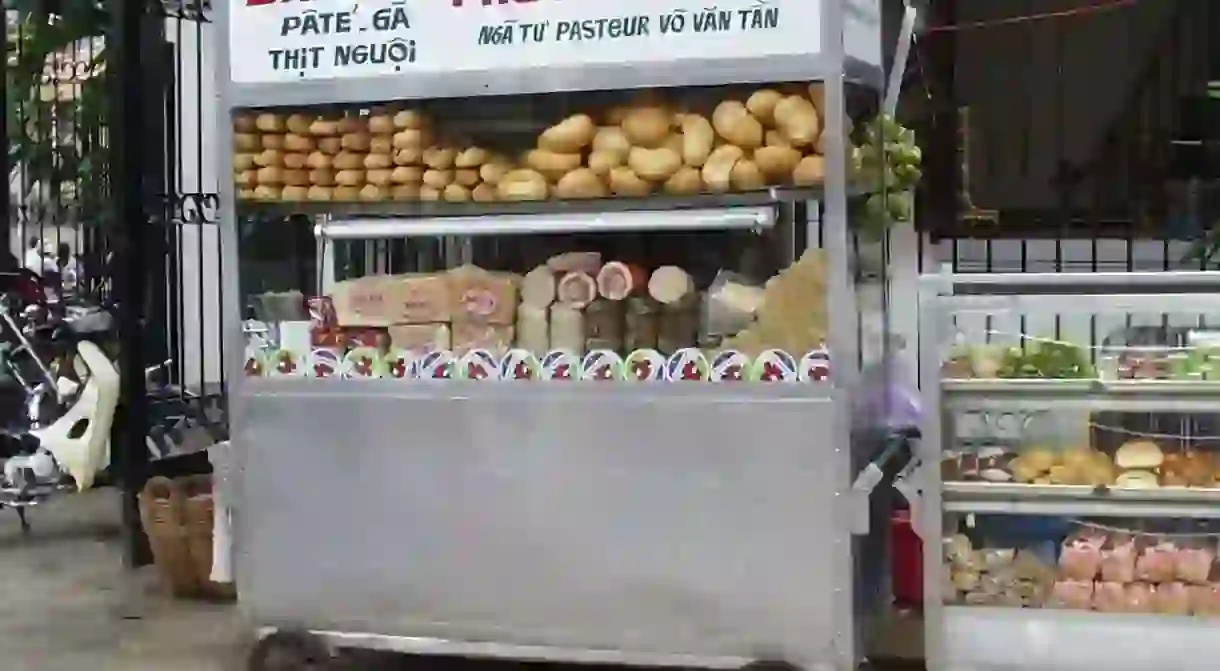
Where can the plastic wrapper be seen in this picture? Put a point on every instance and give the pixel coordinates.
(604, 325)
(732, 302)
(1194, 564)
(959, 552)
(420, 338)
(1118, 560)
(419, 298)
(567, 329)
(999, 560)
(1171, 599)
(1205, 599)
(477, 335)
(1080, 558)
(363, 302)
(678, 325)
(1077, 594)
(640, 323)
(1157, 563)
(476, 294)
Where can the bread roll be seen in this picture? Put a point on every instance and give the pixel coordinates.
(569, 136)
(438, 179)
(299, 143)
(294, 193)
(624, 182)
(349, 177)
(378, 162)
(581, 183)
(647, 126)
(484, 193)
(243, 162)
(472, 157)
(299, 124)
(322, 177)
(357, 141)
(346, 194)
(409, 156)
(269, 123)
(405, 192)
(318, 160)
(321, 193)
(347, 160)
(244, 123)
(324, 128)
(381, 144)
(270, 175)
(330, 145)
(456, 193)
(374, 193)
(733, 122)
(246, 142)
(407, 175)
(410, 138)
(381, 124)
(551, 164)
(409, 119)
(272, 142)
(295, 178)
(378, 177)
(296, 161)
(266, 192)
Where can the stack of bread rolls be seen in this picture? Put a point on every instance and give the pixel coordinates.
(772, 137)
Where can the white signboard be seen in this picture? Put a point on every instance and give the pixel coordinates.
(295, 40)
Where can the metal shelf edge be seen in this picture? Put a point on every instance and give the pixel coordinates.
(970, 497)
(1134, 395)
(438, 210)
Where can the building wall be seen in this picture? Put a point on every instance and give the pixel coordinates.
(1045, 89)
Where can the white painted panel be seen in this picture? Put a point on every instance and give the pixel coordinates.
(198, 160)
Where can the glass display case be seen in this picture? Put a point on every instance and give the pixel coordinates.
(537, 301)
(1075, 494)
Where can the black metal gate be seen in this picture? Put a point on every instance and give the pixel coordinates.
(106, 117)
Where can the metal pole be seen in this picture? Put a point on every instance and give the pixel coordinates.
(6, 205)
(129, 452)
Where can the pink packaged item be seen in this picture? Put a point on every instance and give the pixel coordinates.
(1205, 599)
(1194, 564)
(1110, 597)
(1157, 563)
(1077, 594)
(1139, 597)
(1081, 557)
(1118, 561)
(1172, 598)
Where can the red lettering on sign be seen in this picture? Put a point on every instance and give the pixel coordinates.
(489, 3)
(258, 3)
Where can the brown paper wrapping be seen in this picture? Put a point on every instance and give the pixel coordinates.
(420, 338)
(420, 298)
(468, 335)
(640, 323)
(604, 325)
(478, 295)
(364, 302)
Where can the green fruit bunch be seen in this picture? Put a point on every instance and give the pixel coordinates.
(886, 165)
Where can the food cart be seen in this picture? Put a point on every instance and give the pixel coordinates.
(1072, 497)
(564, 387)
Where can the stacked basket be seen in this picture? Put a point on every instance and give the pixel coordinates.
(178, 518)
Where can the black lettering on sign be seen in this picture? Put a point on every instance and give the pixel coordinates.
(313, 22)
(758, 18)
(398, 52)
(673, 22)
(392, 18)
(300, 59)
(713, 20)
(605, 28)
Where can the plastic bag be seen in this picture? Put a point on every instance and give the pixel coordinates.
(732, 301)
(1081, 557)
(1193, 564)
(1157, 563)
(1118, 560)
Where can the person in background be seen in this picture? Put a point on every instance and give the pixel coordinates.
(68, 268)
(33, 255)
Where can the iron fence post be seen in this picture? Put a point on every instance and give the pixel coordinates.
(129, 452)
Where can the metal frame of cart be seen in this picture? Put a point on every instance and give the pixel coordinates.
(970, 638)
(531, 521)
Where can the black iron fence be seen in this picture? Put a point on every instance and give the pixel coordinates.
(112, 182)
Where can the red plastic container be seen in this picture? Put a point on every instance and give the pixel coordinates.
(906, 569)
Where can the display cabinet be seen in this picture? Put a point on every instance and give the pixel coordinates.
(1072, 504)
(555, 318)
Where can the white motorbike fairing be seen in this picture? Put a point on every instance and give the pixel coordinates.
(86, 455)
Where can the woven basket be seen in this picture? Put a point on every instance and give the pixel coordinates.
(161, 505)
(178, 517)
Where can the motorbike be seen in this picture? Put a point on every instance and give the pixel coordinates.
(60, 359)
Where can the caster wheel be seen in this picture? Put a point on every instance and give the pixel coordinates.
(289, 651)
(771, 665)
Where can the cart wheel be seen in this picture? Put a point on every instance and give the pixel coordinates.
(289, 651)
(770, 665)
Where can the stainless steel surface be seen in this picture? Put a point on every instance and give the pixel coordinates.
(1007, 639)
(1125, 282)
(748, 218)
(656, 523)
(436, 646)
(548, 208)
(997, 639)
(709, 72)
(1079, 501)
(1096, 303)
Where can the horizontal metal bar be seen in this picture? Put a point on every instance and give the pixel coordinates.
(426, 209)
(1201, 279)
(1014, 499)
(437, 646)
(1082, 303)
(734, 218)
(1133, 396)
